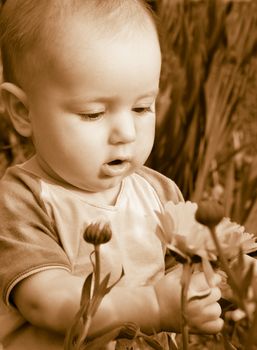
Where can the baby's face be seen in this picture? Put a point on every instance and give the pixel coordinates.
(93, 112)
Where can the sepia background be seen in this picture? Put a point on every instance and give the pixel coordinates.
(206, 133)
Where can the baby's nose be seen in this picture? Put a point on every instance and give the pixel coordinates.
(123, 129)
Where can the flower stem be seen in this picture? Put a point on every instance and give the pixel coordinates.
(88, 319)
(249, 342)
(84, 334)
(185, 281)
(97, 267)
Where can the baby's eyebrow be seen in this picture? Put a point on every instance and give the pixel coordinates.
(152, 93)
(84, 99)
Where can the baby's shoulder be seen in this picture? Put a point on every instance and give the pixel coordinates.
(165, 188)
(16, 184)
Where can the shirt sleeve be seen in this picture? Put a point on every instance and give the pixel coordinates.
(28, 241)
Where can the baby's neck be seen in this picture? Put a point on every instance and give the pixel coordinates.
(107, 198)
(104, 198)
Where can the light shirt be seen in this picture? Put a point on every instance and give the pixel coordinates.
(46, 231)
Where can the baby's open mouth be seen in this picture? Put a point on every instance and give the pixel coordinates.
(116, 162)
(116, 167)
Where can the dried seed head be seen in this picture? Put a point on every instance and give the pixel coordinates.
(209, 213)
(98, 233)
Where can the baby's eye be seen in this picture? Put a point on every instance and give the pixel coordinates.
(142, 110)
(91, 116)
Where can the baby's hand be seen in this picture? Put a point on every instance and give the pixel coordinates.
(203, 310)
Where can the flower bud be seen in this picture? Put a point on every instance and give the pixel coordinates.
(98, 233)
(209, 213)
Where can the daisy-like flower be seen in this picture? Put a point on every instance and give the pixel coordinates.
(183, 234)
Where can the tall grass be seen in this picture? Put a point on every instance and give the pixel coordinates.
(207, 76)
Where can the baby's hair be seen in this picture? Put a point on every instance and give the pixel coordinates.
(27, 26)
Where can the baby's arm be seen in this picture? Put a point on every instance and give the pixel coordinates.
(50, 299)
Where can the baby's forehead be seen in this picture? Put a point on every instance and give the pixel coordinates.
(33, 27)
(99, 18)
(82, 28)
(80, 41)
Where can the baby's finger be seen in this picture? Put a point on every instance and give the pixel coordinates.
(211, 312)
(209, 295)
(210, 327)
(207, 319)
(207, 306)
(214, 296)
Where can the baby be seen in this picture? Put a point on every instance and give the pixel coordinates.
(81, 79)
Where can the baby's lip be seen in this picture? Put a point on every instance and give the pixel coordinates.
(116, 167)
(119, 160)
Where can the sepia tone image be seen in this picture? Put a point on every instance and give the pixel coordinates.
(128, 175)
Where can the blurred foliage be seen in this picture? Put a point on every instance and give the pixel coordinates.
(207, 126)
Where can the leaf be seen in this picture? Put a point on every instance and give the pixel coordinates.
(101, 341)
(118, 280)
(97, 298)
(86, 290)
(129, 330)
(172, 345)
(228, 345)
(151, 342)
(88, 309)
(248, 279)
(72, 334)
(244, 275)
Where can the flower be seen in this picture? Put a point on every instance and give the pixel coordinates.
(183, 234)
(98, 233)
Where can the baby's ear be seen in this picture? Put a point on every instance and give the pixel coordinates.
(16, 104)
